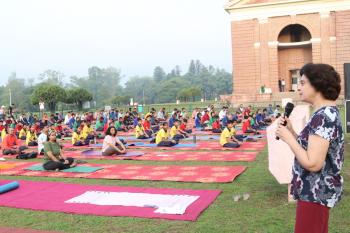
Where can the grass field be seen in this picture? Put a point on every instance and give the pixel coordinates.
(267, 209)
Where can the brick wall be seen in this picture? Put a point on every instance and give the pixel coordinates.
(342, 31)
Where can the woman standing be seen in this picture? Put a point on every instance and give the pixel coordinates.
(319, 149)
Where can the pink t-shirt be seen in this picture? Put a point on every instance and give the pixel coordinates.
(109, 140)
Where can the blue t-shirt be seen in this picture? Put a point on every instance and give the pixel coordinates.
(326, 186)
(171, 121)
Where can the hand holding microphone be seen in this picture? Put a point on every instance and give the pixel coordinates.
(288, 110)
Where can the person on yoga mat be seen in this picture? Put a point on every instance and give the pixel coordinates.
(53, 155)
(88, 132)
(317, 184)
(31, 138)
(176, 133)
(140, 132)
(42, 139)
(78, 139)
(162, 138)
(227, 137)
(111, 143)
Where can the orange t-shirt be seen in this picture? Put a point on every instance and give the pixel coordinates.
(9, 141)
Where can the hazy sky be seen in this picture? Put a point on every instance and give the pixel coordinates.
(131, 35)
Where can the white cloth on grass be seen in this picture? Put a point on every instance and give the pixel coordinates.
(164, 203)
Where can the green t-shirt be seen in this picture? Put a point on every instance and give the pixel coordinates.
(99, 124)
(54, 147)
(118, 125)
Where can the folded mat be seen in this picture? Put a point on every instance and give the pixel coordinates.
(84, 169)
(99, 200)
(205, 174)
(152, 155)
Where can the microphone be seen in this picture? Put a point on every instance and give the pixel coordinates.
(287, 111)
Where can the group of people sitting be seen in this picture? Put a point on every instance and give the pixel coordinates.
(165, 130)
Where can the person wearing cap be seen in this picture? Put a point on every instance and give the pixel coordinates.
(54, 157)
(227, 137)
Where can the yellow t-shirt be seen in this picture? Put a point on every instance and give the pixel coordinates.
(139, 130)
(173, 131)
(86, 131)
(22, 133)
(3, 134)
(75, 138)
(162, 136)
(226, 135)
(31, 137)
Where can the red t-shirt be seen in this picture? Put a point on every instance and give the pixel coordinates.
(205, 118)
(147, 125)
(246, 112)
(105, 127)
(245, 125)
(58, 128)
(2, 127)
(216, 125)
(183, 127)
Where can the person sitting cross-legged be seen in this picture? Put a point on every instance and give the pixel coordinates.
(78, 139)
(54, 158)
(227, 137)
(140, 132)
(111, 143)
(162, 138)
(31, 138)
(176, 133)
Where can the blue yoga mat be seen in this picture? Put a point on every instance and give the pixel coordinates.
(8, 187)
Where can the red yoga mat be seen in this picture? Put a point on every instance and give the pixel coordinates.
(51, 196)
(202, 145)
(229, 156)
(203, 174)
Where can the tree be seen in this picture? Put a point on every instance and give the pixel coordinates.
(78, 96)
(52, 77)
(159, 74)
(49, 94)
(189, 93)
(120, 100)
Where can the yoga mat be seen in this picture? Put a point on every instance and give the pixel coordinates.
(52, 196)
(211, 145)
(9, 187)
(151, 155)
(180, 145)
(98, 153)
(204, 174)
(78, 168)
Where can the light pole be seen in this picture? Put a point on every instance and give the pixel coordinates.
(10, 96)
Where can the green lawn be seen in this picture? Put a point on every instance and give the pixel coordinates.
(267, 209)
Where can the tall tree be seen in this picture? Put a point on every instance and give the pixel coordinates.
(159, 74)
(49, 94)
(78, 96)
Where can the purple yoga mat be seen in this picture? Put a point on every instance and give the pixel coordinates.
(99, 153)
(51, 196)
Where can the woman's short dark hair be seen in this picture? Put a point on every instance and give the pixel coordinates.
(323, 78)
(108, 131)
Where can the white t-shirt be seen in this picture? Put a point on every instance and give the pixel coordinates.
(41, 139)
(222, 114)
(109, 140)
